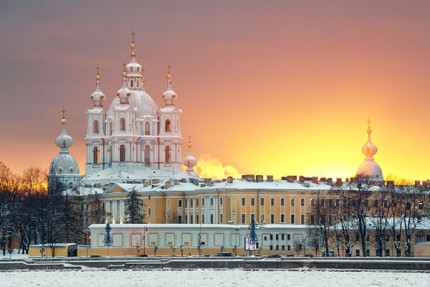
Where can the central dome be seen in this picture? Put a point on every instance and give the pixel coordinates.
(143, 102)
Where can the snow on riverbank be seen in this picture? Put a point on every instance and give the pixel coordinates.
(210, 278)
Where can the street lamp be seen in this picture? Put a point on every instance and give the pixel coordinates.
(144, 237)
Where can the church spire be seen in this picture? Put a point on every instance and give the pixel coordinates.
(64, 141)
(98, 96)
(169, 95)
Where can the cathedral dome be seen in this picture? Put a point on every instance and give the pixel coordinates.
(169, 96)
(143, 102)
(65, 164)
(64, 141)
(370, 169)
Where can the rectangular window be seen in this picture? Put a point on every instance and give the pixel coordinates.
(277, 247)
(191, 219)
(282, 201)
(180, 203)
(312, 202)
(282, 218)
(271, 236)
(398, 237)
(252, 216)
(337, 202)
(203, 202)
(271, 247)
(252, 201)
(243, 218)
(197, 202)
(185, 203)
(272, 201)
(283, 247)
(272, 218)
(292, 218)
(212, 219)
(243, 201)
(302, 202)
(289, 248)
(357, 252)
(203, 218)
(179, 218)
(262, 220)
(149, 211)
(282, 236)
(292, 202)
(262, 201)
(330, 202)
(302, 219)
(197, 219)
(322, 202)
(191, 203)
(186, 219)
(220, 201)
(312, 219)
(276, 237)
(428, 237)
(419, 239)
(220, 218)
(212, 201)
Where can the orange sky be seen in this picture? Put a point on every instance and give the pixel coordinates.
(267, 87)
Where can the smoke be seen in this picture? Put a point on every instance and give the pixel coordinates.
(210, 167)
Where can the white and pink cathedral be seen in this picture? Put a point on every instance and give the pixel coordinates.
(129, 140)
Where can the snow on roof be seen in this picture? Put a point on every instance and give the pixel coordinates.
(203, 226)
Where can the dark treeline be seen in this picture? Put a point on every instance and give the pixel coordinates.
(360, 214)
(29, 214)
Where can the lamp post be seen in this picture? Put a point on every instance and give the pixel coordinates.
(144, 237)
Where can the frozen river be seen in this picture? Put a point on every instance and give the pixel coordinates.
(207, 278)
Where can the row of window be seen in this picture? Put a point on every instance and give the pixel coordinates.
(272, 201)
(272, 218)
(96, 130)
(167, 150)
(190, 219)
(189, 202)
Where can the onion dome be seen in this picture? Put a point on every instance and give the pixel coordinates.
(124, 93)
(369, 168)
(98, 96)
(64, 163)
(190, 161)
(64, 141)
(169, 95)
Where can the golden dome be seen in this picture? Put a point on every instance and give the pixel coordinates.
(97, 77)
(169, 76)
(124, 74)
(63, 121)
(133, 46)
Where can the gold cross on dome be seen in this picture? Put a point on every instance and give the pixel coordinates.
(168, 69)
(189, 138)
(64, 112)
(369, 121)
(97, 69)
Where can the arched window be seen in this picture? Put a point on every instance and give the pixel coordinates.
(168, 153)
(95, 127)
(167, 126)
(122, 153)
(110, 128)
(96, 155)
(122, 124)
(147, 129)
(131, 83)
(147, 155)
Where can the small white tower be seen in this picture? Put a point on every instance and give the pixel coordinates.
(64, 170)
(369, 168)
(190, 161)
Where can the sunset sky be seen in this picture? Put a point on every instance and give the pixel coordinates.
(266, 87)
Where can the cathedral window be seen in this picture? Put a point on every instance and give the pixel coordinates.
(122, 124)
(147, 155)
(131, 83)
(95, 127)
(147, 128)
(122, 153)
(167, 126)
(110, 128)
(168, 153)
(96, 155)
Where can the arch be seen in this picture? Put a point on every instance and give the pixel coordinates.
(122, 124)
(95, 155)
(147, 128)
(95, 127)
(110, 128)
(167, 127)
(147, 155)
(168, 152)
(122, 153)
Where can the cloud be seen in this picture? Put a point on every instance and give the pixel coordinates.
(210, 167)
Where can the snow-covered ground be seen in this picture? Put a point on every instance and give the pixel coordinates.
(14, 255)
(207, 278)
